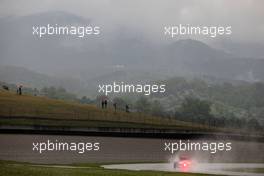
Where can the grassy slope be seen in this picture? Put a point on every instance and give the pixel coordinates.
(45, 111)
(13, 169)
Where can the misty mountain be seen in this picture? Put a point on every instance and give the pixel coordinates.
(31, 79)
(124, 56)
(200, 59)
(242, 49)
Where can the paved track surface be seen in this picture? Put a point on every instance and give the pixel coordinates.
(206, 168)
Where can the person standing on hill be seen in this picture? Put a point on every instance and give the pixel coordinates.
(115, 105)
(20, 90)
(105, 104)
(17, 91)
(127, 108)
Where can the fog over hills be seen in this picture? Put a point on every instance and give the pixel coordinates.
(127, 56)
(32, 79)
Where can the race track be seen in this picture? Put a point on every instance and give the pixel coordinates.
(232, 169)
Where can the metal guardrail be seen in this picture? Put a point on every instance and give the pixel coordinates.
(126, 132)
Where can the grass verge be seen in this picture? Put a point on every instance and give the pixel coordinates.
(24, 169)
(31, 110)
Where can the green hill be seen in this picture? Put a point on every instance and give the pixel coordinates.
(32, 110)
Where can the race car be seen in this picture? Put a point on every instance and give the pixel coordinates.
(183, 163)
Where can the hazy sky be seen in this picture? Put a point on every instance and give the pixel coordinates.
(149, 16)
